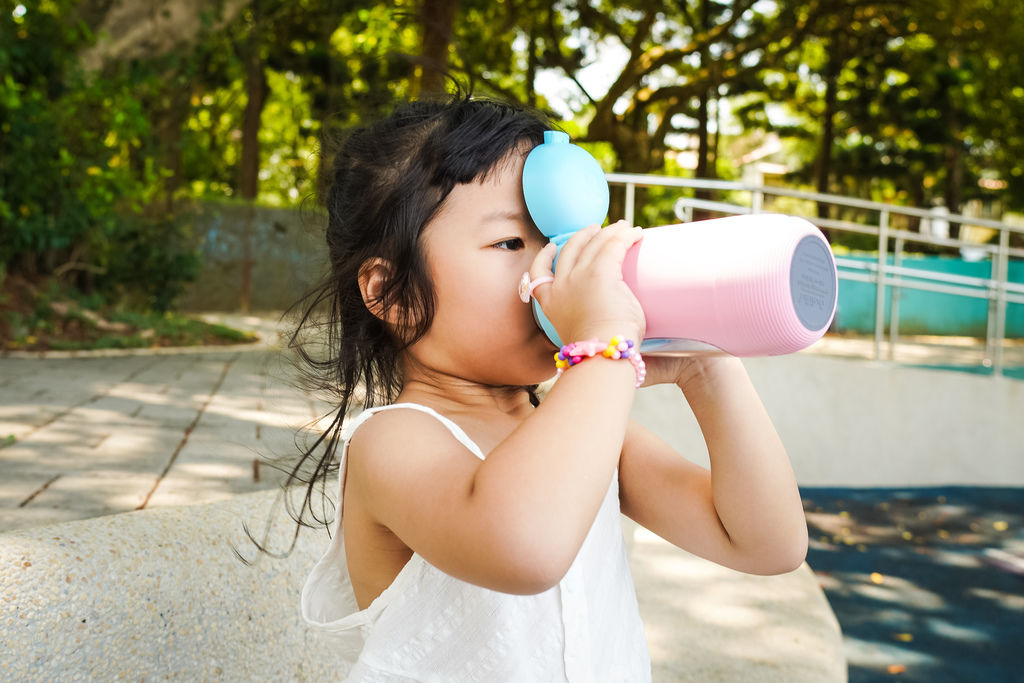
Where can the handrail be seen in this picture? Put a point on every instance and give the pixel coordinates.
(996, 289)
(652, 180)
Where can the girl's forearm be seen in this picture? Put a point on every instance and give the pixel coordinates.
(753, 486)
(542, 486)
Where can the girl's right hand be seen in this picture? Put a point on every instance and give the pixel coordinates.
(587, 298)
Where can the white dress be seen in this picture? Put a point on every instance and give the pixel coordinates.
(429, 626)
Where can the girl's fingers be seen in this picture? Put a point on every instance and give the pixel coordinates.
(543, 261)
(570, 252)
(608, 249)
(542, 265)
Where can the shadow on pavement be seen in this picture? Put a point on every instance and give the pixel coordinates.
(928, 584)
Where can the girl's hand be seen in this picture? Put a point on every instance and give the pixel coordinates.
(689, 373)
(588, 298)
(667, 369)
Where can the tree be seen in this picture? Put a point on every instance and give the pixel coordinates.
(143, 29)
(681, 56)
(437, 22)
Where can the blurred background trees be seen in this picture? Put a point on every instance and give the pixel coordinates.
(117, 118)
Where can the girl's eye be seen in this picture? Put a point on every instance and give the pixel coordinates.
(513, 244)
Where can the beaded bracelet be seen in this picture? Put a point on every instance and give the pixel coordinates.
(618, 348)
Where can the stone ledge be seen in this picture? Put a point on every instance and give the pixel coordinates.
(160, 593)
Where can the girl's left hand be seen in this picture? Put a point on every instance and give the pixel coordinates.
(665, 369)
(686, 372)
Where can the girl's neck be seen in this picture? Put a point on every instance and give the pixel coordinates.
(457, 395)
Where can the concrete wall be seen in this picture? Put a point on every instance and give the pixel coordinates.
(287, 250)
(860, 423)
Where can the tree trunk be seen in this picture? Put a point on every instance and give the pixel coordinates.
(249, 166)
(713, 162)
(703, 137)
(703, 145)
(168, 126)
(703, 152)
(327, 114)
(437, 20)
(823, 164)
(954, 172)
(531, 65)
(634, 154)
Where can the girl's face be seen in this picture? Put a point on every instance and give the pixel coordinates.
(477, 249)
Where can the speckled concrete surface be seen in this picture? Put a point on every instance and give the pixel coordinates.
(160, 594)
(156, 594)
(706, 623)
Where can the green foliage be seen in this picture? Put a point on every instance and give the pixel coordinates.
(927, 109)
(150, 260)
(58, 317)
(94, 167)
(76, 165)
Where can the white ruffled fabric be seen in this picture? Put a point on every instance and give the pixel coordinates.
(429, 626)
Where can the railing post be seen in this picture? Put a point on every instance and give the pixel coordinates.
(630, 202)
(1004, 275)
(883, 248)
(894, 300)
(756, 201)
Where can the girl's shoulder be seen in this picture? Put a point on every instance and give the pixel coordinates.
(404, 434)
(407, 470)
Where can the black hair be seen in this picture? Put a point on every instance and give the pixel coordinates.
(387, 181)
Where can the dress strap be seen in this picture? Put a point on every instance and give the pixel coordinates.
(349, 429)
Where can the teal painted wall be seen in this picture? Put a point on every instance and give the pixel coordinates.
(924, 312)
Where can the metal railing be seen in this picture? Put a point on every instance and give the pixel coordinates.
(996, 289)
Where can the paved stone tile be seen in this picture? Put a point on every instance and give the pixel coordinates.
(93, 436)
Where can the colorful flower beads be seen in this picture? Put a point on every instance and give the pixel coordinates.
(617, 348)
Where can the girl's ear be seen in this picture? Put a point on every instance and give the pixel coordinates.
(373, 277)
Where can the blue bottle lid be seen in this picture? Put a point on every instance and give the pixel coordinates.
(564, 186)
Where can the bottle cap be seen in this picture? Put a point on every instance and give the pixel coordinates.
(564, 186)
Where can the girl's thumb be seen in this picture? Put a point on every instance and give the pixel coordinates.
(543, 263)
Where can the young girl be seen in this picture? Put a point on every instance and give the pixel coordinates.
(478, 535)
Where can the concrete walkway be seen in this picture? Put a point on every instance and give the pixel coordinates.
(94, 436)
(84, 434)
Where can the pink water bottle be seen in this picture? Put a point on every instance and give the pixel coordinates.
(752, 285)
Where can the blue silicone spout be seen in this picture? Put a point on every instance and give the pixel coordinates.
(564, 186)
(565, 190)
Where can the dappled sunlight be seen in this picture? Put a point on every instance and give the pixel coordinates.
(141, 393)
(893, 589)
(115, 433)
(691, 605)
(949, 629)
(216, 470)
(909, 576)
(98, 491)
(290, 418)
(1014, 601)
(882, 656)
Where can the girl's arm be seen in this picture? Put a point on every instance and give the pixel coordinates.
(746, 513)
(516, 521)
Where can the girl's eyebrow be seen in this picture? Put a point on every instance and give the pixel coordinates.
(515, 215)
